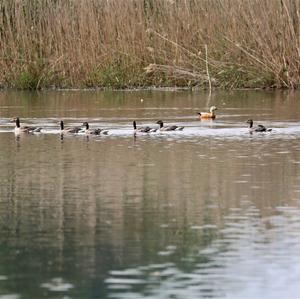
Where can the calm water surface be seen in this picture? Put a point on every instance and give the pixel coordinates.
(209, 212)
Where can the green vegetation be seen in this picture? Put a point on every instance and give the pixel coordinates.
(139, 43)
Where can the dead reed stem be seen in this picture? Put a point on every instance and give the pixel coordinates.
(207, 71)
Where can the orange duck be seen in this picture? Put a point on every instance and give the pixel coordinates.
(206, 115)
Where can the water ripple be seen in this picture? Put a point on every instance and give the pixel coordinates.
(57, 285)
(243, 263)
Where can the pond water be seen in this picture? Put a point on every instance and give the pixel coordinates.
(208, 212)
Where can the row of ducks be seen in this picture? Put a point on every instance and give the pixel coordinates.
(87, 130)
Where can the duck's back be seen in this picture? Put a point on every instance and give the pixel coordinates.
(260, 128)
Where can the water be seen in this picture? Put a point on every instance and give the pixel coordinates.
(209, 212)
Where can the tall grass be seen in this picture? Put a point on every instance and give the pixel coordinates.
(137, 43)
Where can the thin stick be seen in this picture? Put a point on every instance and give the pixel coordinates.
(207, 71)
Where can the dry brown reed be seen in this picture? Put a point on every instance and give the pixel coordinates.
(138, 43)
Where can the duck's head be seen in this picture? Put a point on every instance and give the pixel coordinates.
(250, 122)
(213, 108)
(16, 120)
(86, 124)
(61, 123)
(160, 123)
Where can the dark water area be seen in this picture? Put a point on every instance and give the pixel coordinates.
(208, 212)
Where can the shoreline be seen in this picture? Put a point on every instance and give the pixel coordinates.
(150, 88)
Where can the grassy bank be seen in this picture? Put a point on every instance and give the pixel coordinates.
(138, 43)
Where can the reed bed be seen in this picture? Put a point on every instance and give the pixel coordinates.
(141, 43)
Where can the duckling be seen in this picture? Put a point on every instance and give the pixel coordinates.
(70, 130)
(24, 129)
(168, 128)
(259, 128)
(93, 131)
(210, 114)
(146, 129)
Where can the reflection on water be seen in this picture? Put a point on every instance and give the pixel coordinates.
(244, 261)
(209, 212)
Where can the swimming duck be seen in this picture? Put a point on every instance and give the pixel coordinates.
(168, 128)
(259, 128)
(24, 129)
(146, 129)
(93, 131)
(70, 130)
(210, 114)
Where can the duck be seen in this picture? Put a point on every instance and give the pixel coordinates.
(211, 114)
(146, 129)
(168, 128)
(24, 129)
(93, 131)
(70, 130)
(258, 128)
